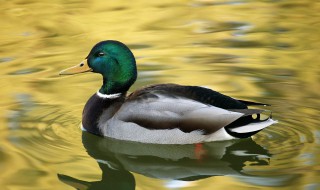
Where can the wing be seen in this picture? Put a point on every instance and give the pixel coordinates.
(155, 110)
(188, 108)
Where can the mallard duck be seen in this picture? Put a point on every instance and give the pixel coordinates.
(161, 113)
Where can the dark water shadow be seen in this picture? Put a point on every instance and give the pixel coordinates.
(117, 159)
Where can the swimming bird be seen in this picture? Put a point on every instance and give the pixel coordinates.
(160, 113)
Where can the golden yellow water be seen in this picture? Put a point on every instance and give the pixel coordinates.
(265, 51)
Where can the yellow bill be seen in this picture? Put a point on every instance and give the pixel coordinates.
(80, 68)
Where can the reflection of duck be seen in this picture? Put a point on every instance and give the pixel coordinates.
(177, 162)
(112, 179)
(161, 114)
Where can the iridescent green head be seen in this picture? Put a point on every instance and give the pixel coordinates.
(114, 61)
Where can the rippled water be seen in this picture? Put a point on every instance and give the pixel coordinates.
(265, 51)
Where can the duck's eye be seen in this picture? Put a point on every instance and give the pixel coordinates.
(100, 54)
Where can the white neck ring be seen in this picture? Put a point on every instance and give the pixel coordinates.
(109, 96)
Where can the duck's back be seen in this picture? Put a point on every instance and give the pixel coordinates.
(196, 93)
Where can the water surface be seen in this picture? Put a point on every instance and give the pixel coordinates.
(266, 51)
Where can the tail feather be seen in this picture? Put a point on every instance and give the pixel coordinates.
(254, 126)
(247, 125)
(249, 103)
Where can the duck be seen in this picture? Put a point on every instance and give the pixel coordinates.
(159, 113)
